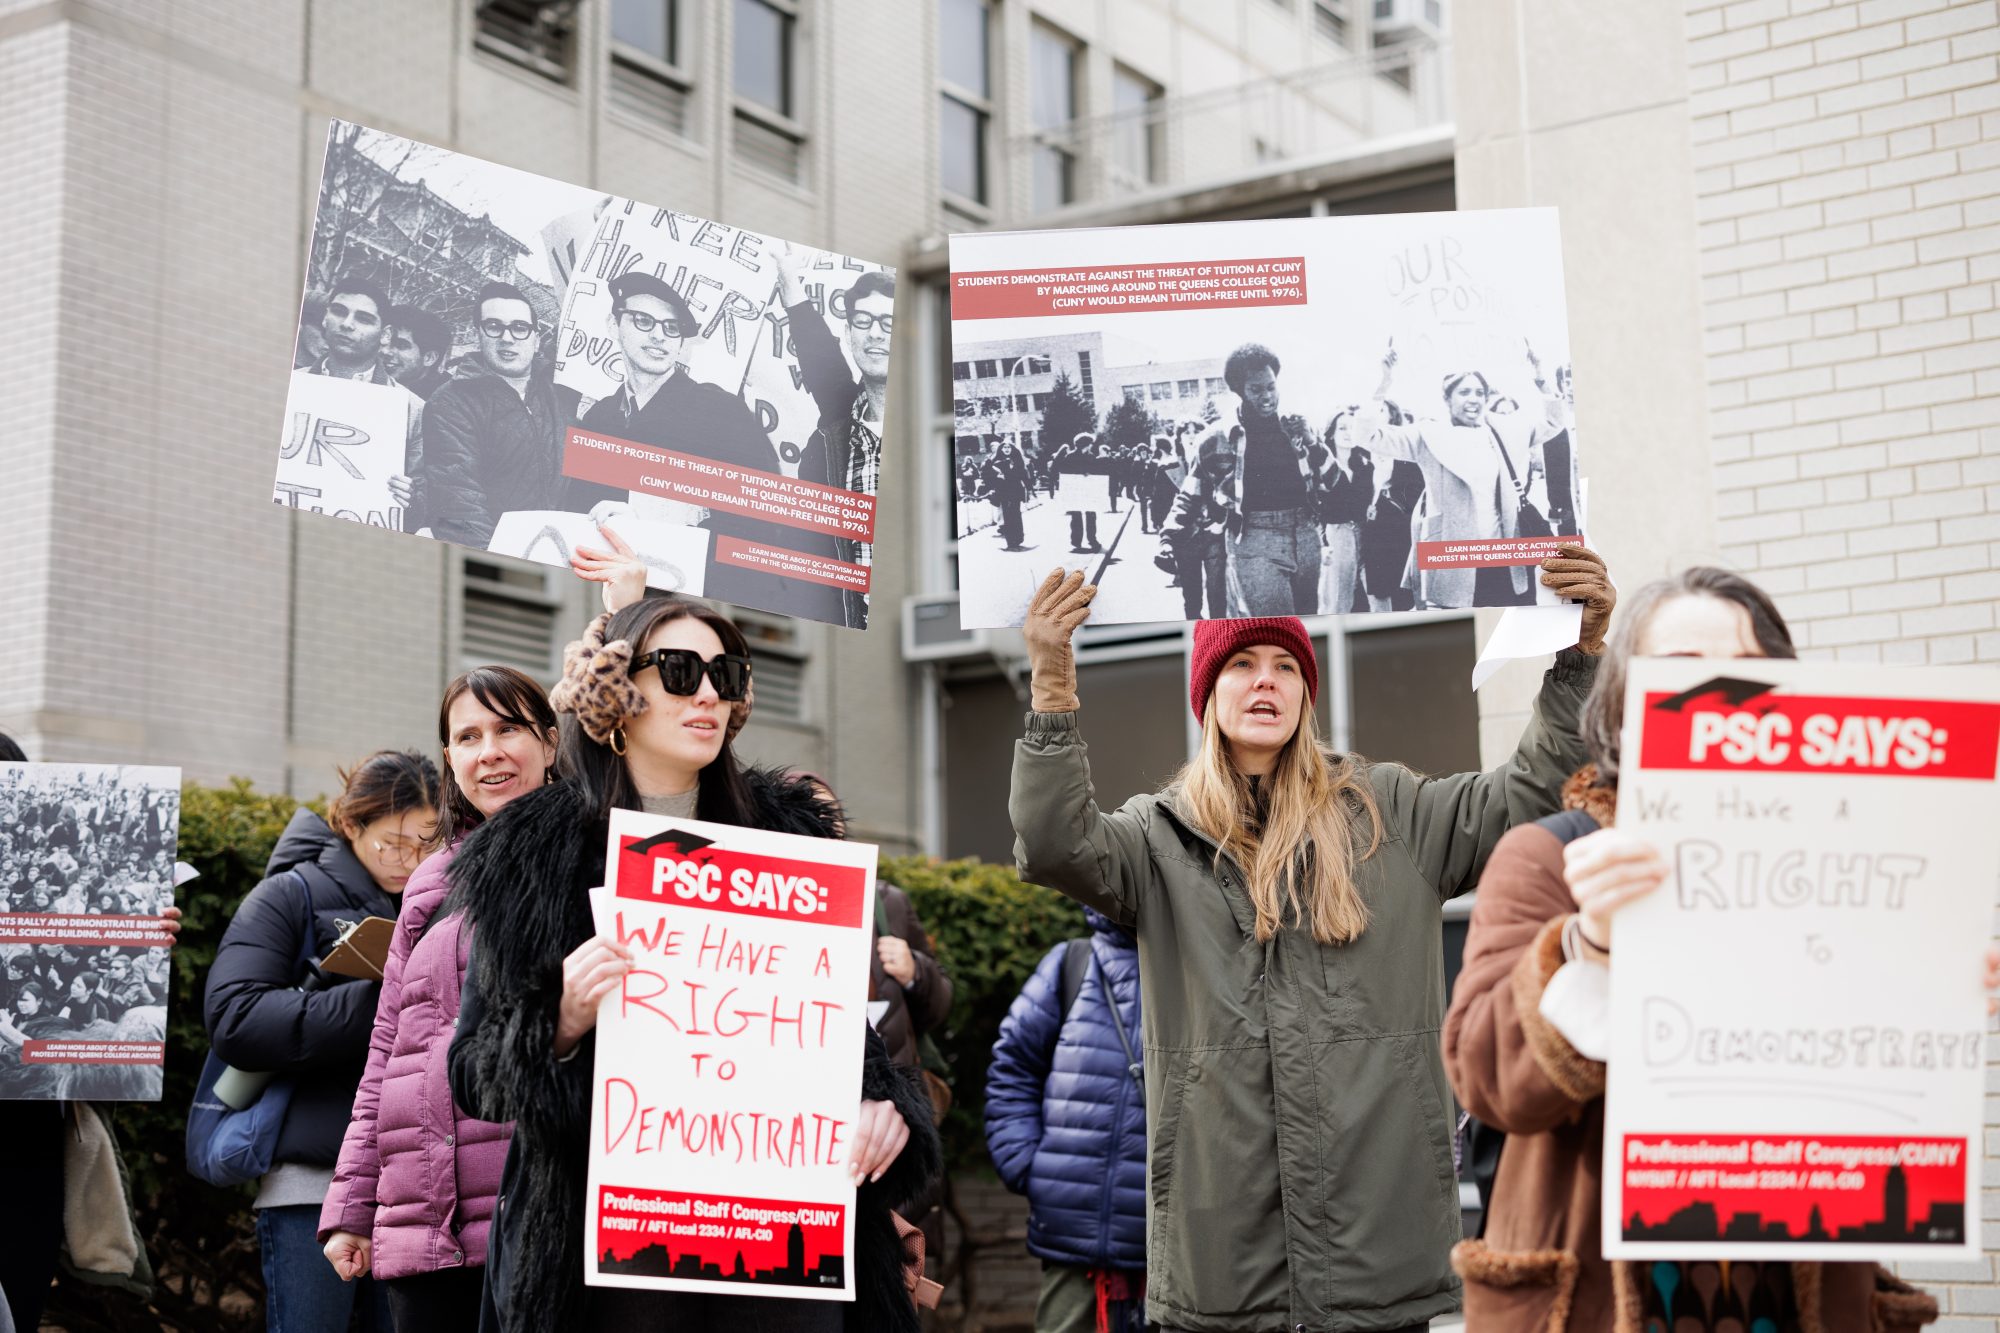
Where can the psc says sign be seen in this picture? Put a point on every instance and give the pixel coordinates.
(728, 1063)
(1797, 1025)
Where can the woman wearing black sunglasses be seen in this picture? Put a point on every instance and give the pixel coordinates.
(647, 698)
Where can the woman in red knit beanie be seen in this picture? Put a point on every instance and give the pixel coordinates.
(1287, 902)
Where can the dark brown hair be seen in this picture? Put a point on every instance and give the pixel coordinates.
(386, 783)
(513, 696)
(723, 795)
(1604, 710)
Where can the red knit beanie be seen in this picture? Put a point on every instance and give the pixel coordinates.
(1216, 641)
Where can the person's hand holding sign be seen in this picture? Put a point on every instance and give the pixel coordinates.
(1057, 608)
(879, 1135)
(1578, 573)
(1606, 870)
(590, 972)
(619, 569)
(897, 960)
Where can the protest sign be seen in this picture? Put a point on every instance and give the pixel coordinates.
(1797, 1024)
(601, 356)
(344, 439)
(1405, 378)
(86, 868)
(728, 1064)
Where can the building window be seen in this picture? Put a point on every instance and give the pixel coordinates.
(768, 134)
(961, 370)
(1053, 66)
(1331, 20)
(1213, 386)
(1040, 365)
(966, 99)
(1086, 389)
(536, 34)
(648, 76)
(987, 369)
(511, 613)
(1136, 103)
(778, 663)
(1187, 388)
(1162, 390)
(1135, 393)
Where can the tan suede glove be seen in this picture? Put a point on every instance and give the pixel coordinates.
(1057, 608)
(1578, 573)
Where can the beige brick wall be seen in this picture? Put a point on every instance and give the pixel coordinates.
(1847, 179)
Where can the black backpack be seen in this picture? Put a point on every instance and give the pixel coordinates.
(1480, 1155)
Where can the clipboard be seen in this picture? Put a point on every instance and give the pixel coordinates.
(362, 949)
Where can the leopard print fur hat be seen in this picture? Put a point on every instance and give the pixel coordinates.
(597, 686)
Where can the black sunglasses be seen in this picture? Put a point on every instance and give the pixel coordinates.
(681, 670)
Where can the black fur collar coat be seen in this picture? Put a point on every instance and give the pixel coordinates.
(522, 879)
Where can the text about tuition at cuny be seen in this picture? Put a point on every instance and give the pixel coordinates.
(1231, 284)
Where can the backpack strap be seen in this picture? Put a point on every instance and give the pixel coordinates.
(1076, 961)
(1132, 1065)
(1568, 825)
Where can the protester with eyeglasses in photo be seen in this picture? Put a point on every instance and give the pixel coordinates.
(493, 436)
(323, 872)
(649, 699)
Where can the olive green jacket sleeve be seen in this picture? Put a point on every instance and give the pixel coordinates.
(1451, 824)
(1061, 837)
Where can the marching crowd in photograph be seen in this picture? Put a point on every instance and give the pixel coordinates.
(1269, 514)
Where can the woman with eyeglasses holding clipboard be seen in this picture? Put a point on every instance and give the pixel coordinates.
(647, 699)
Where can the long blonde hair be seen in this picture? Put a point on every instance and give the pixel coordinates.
(1298, 854)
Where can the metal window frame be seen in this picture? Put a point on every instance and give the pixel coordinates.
(782, 119)
(1154, 129)
(515, 57)
(985, 106)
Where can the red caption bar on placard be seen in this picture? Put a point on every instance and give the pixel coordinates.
(90, 932)
(1219, 284)
(740, 554)
(1733, 723)
(688, 871)
(1491, 553)
(719, 1237)
(750, 492)
(72, 1051)
(1773, 1188)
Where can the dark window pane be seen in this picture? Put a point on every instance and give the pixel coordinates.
(763, 41)
(647, 25)
(1412, 699)
(962, 145)
(962, 45)
(1053, 178)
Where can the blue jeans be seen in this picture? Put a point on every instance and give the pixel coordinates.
(302, 1293)
(1276, 559)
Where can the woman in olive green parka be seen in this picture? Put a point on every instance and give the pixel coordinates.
(1287, 902)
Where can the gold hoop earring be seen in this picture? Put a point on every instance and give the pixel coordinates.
(618, 741)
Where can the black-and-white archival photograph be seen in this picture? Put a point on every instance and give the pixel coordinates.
(1298, 417)
(86, 869)
(509, 362)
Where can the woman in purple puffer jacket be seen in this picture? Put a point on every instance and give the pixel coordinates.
(413, 1194)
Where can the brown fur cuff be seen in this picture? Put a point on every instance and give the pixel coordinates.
(1480, 1264)
(1900, 1307)
(1577, 1078)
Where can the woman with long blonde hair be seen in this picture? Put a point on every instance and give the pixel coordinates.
(1287, 902)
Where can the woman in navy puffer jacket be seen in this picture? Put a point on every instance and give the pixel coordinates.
(1066, 1125)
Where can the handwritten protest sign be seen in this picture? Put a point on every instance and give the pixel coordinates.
(725, 274)
(1797, 1025)
(775, 388)
(728, 1066)
(676, 557)
(344, 439)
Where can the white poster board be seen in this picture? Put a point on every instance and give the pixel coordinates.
(676, 557)
(728, 1065)
(344, 439)
(1797, 1034)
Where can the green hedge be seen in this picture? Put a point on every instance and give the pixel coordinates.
(990, 931)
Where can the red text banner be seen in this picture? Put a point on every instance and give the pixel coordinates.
(1492, 553)
(737, 553)
(719, 1238)
(90, 932)
(1737, 724)
(76, 1051)
(748, 492)
(1224, 284)
(1772, 1189)
(688, 872)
